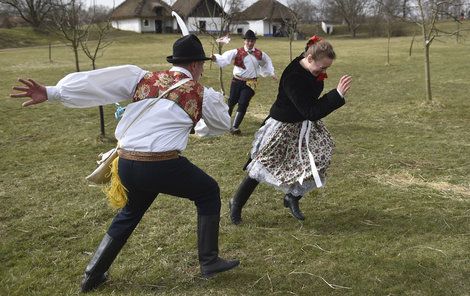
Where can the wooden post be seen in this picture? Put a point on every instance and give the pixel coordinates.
(102, 121)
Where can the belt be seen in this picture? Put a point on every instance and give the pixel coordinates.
(243, 79)
(148, 156)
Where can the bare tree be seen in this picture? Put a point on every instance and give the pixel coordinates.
(390, 11)
(228, 14)
(97, 48)
(351, 11)
(305, 10)
(291, 20)
(67, 21)
(427, 15)
(34, 12)
(404, 8)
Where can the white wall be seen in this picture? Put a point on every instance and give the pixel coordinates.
(257, 27)
(138, 25)
(128, 25)
(269, 28)
(212, 24)
(150, 27)
(244, 27)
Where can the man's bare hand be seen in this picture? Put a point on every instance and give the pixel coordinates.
(33, 90)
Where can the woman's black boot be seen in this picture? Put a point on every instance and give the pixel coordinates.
(292, 202)
(236, 204)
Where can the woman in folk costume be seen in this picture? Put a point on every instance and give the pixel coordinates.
(149, 160)
(292, 150)
(249, 63)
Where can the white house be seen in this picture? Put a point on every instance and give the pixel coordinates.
(199, 15)
(265, 18)
(143, 16)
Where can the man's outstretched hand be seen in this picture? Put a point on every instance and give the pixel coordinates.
(33, 90)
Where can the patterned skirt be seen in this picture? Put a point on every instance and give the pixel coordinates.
(293, 157)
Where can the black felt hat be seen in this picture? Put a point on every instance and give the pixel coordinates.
(250, 35)
(187, 49)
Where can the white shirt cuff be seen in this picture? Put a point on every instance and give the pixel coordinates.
(340, 93)
(53, 93)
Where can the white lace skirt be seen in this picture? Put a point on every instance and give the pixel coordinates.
(293, 157)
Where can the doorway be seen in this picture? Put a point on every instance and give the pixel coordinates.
(158, 26)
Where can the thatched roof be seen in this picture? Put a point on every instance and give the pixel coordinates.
(267, 9)
(141, 9)
(200, 8)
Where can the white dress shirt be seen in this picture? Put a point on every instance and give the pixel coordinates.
(253, 66)
(164, 127)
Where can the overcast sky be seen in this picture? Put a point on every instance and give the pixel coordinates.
(109, 3)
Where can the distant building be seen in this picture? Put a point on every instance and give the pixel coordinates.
(200, 15)
(143, 16)
(265, 18)
(327, 28)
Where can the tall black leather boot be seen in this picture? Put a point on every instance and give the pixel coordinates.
(236, 123)
(236, 203)
(96, 271)
(292, 202)
(208, 247)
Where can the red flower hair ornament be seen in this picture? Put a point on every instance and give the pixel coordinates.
(314, 39)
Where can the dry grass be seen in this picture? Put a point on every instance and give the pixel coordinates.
(392, 220)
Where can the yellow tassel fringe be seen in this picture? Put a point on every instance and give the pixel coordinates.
(116, 193)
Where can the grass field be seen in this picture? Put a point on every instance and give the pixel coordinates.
(392, 220)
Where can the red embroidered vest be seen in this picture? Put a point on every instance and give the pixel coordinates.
(188, 96)
(241, 54)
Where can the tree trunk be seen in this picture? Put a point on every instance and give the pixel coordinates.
(427, 70)
(221, 80)
(404, 9)
(388, 41)
(75, 52)
(411, 45)
(50, 52)
(290, 47)
(101, 121)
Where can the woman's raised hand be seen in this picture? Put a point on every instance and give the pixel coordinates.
(344, 84)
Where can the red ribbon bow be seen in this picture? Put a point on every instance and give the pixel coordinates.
(314, 39)
(322, 76)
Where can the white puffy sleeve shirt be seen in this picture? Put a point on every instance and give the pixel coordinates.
(164, 127)
(253, 67)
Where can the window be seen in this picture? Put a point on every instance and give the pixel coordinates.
(202, 26)
(146, 23)
(239, 30)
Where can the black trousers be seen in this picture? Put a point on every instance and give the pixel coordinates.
(145, 180)
(240, 94)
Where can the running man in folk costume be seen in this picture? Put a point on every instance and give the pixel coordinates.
(249, 63)
(150, 160)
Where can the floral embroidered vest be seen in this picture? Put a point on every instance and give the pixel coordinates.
(241, 54)
(188, 96)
